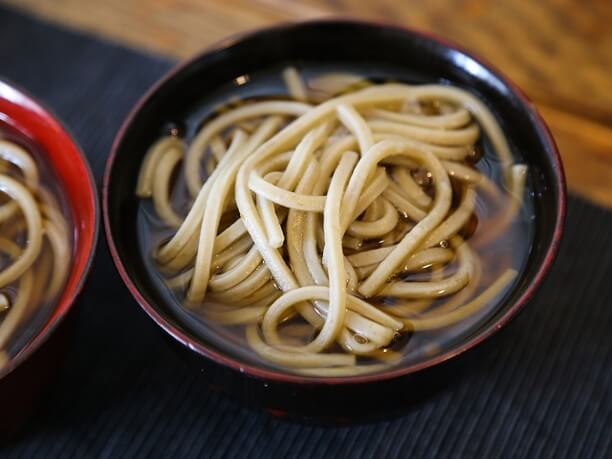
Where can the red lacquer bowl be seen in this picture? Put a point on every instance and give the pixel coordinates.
(404, 54)
(29, 372)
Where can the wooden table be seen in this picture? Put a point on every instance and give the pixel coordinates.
(558, 51)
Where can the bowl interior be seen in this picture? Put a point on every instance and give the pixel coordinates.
(40, 128)
(398, 54)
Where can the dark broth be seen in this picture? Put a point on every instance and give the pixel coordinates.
(510, 250)
(37, 314)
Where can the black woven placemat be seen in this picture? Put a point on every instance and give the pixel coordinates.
(545, 388)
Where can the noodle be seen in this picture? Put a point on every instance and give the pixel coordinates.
(314, 217)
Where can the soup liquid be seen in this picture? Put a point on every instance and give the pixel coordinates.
(510, 250)
(37, 314)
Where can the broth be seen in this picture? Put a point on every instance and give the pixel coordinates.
(510, 249)
(21, 319)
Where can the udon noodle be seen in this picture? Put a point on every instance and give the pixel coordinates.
(34, 244)
(328, 230)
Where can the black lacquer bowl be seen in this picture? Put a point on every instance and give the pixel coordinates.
(364, 45)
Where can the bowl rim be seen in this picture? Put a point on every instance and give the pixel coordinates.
(227, 360)
(48, 329)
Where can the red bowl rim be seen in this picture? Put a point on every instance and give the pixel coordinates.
(63, 307)
(267, 374)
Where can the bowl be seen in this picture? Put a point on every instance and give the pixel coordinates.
(403, 53)
(27, 374)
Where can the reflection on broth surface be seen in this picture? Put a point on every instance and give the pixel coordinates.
(334, 223)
